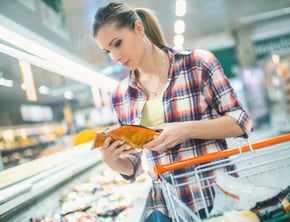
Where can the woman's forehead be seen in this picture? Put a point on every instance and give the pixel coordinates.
(112, 29)
(108, 32)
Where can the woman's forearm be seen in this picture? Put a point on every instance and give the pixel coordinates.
(219, 128)
(122, 165)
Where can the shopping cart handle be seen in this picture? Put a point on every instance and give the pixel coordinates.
(162, 168)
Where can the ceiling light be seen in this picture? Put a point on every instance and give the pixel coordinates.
(6, 82)
(68, 94)
(44, 90)
(34, 60)
(179, 27)
(178, 40)
(27, 76)
(180, 7)
(276, 58)
(67, 64)
(23, 86)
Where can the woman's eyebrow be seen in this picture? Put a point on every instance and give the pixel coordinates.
(112, 41)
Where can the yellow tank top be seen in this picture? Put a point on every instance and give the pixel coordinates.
(153, 112)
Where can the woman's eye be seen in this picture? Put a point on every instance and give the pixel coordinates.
(118, 43)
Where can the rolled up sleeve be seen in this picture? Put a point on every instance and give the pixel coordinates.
(220, 95)
(136, 162)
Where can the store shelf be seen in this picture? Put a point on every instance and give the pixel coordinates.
(23, 143)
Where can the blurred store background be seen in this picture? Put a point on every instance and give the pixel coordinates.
(55, 82)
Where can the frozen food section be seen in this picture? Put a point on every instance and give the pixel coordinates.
(73, 185)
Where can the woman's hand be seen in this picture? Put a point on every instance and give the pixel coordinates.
(172, 134)
(112, 150)
(177, 132)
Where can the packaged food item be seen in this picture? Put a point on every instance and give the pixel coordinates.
(247, 194)
(273, 207)
(236, 216)
(80, 217)
(133, 135)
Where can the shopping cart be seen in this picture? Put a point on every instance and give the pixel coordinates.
(262, 163)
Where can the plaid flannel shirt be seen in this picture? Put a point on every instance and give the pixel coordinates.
(197, 89)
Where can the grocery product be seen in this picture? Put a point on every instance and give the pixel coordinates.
(247, 194)
(133, 135)
(273, 207)
(235, 216)
(104, 196)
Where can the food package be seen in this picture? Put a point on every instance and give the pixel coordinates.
(247, 194)
(133, 135)
(236, 216)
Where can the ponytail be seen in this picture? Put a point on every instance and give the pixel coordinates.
(151, 26)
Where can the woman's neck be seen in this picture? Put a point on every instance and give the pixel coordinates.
(152, 74)
(151, 61)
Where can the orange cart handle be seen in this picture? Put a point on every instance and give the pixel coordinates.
(162, 168)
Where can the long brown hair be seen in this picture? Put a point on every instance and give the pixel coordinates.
(124, 16)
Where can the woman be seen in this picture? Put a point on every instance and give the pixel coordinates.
(184, 93)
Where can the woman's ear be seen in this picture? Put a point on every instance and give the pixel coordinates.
(139, 27)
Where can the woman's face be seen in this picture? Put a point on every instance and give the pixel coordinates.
(123, 45)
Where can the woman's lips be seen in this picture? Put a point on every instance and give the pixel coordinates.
(126, 63)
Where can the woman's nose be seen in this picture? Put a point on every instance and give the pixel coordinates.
(115, 57)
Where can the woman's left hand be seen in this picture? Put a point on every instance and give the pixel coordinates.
(171, 135)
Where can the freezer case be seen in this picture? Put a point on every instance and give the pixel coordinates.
(74, 185)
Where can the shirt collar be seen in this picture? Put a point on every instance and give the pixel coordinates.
(173, 55)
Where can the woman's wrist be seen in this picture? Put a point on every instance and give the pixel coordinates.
(122, 166)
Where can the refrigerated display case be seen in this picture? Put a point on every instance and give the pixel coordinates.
(70, 184)
(23, 143)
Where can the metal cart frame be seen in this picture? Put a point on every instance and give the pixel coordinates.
(255, 162)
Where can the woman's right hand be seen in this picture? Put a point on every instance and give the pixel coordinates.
(112, 150)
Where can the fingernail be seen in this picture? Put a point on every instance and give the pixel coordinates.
(122, 142)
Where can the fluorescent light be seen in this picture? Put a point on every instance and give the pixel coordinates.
(276, 59)
(179, 27)
(178, 40)
(180, 7)
(23, 86)
(27, 76)
(68, 94)
(44, 90)
(34, 60)
(65, 63)
(6, 82)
